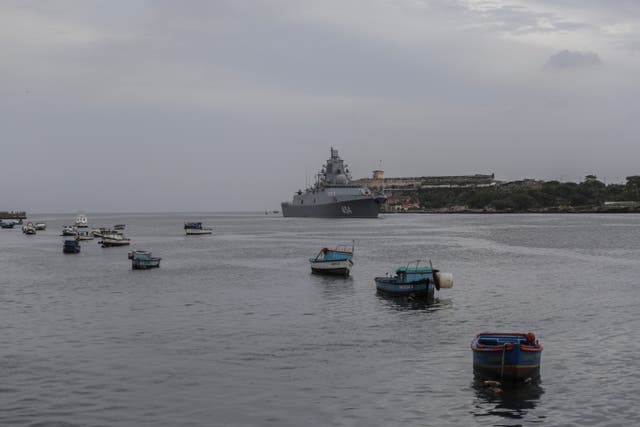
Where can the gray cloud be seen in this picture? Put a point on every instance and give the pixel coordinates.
(227, 105)
(566, 59)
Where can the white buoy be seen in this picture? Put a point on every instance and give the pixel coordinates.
(445, 280)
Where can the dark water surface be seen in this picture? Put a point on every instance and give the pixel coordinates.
(234, 330)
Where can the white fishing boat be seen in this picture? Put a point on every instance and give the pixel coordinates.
(29, 228)
(100, 232)
(84, 235)
(114, 240)
(81, 221)
(68, 230)
(195, 228)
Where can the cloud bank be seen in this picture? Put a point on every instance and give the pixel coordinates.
(241, 101)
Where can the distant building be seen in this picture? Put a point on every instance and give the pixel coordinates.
(523, 183)
(378, 182)
(378, 174)
(399, 204)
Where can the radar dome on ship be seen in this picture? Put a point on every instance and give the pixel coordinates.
(341, 179)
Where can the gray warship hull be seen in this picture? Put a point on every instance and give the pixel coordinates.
(361, 208)
(333, 195)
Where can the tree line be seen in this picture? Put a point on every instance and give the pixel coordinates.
(542, 195)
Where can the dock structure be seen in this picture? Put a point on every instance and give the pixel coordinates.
(13, 215)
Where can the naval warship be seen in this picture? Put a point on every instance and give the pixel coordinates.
(334, 196)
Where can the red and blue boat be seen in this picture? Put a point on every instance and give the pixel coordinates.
(506, 355)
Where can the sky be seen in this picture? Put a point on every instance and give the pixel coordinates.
(167, 106)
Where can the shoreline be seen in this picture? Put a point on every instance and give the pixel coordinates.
(494, 212)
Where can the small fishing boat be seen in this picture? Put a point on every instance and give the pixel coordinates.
(142, 260)
(414, 281)
(84, 235)
(114, 240)
(29, 228)
(506, 355)
(81, 221)
(336, 261)
(196, 228)
(68, 230)
(71, 247)
(119, 226)
(102, 231)
(9, 224)
(40, 226)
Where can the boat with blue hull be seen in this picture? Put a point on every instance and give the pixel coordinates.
(337, 261)
(334, 196)
(71, 247)
(143, 260)
(414, 281)
(506, 355)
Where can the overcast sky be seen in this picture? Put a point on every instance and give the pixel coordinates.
(139, 106)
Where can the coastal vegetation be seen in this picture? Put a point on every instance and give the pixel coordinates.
(590, 195)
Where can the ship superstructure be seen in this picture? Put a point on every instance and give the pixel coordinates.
(334, 196)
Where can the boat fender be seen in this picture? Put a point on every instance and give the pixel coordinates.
(444, 280)
(531, 338)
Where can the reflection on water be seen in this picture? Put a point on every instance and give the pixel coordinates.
(511, 400)
(410, 303)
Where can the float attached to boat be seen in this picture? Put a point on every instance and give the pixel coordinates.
(337, 261)
(506, 355)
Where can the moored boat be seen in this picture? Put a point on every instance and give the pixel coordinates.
(506, 355)
(68, 230)
(29, 228)
(84, 235)
(119, 226)
(336, 261)
(8, 224)
(102, 231)
(195, 228)
(81, 221)
(114, 240)
(40, 226)
(414, 281)
(71, 247)
(142, 260)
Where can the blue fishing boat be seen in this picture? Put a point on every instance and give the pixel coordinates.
(71, 247)
(7, 224)
(142, 260)
(506, 355)
(337, 261)
(414, 281)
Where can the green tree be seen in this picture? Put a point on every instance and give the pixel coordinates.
(633, 186)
